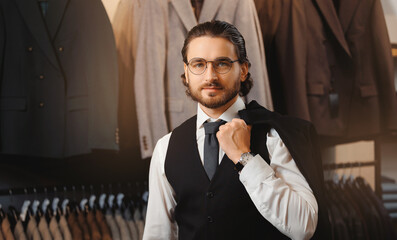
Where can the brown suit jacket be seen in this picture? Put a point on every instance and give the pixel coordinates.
(318, 52)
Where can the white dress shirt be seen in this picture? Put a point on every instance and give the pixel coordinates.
(279, 191)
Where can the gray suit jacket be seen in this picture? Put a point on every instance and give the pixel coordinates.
(160, 95)
(59, 78)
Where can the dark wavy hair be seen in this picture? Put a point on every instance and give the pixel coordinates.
(224, 30)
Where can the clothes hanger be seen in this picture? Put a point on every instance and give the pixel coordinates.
(119, 201)
(56, 205)
(46, 210)
(110, 201)
(84, 206)
(36, 212)
(26, 212)
(84, 201)
(56, 211)
(66, 208)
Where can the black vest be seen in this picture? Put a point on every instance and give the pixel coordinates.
(217, 209)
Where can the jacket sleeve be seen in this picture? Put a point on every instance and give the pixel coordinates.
(102, 77)
(246, 20)
(269, 13)
(290, 58)
(149, 75)
(384, 66)
(280, 192)
(2, 48)
(2, 44)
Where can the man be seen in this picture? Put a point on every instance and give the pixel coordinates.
(244, 197)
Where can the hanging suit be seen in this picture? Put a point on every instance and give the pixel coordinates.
(332, 65)
(59, 78)
(126, 23)
(160, 95)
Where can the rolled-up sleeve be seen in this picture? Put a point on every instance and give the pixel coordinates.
(280, 192)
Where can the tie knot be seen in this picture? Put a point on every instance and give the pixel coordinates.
(212, 127)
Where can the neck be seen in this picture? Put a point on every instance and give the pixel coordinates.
(215, 113)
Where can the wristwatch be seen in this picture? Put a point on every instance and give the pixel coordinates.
(245, 157)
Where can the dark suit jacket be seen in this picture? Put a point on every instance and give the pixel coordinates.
(317, 51)
(59, 78)
(300, 138)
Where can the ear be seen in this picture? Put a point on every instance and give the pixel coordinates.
(186, 74)
(244, 71)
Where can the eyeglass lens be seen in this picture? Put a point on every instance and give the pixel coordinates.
(199, 65)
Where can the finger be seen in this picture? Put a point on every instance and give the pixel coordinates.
(219, 135)
(238, 120)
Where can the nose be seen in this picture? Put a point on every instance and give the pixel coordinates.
(210, 73)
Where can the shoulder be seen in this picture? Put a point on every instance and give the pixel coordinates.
(257, 114)
(162, 144)
(190, 123)
(159, 153)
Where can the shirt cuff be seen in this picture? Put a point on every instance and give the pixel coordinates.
(255, 171)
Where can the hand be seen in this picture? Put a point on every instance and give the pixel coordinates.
(234, 138)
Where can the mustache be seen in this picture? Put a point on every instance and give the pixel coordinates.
(211, 84)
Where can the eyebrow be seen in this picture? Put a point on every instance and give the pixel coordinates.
(222, 58)
(218, 58)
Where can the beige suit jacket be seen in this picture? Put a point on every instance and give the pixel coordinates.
(160, 95)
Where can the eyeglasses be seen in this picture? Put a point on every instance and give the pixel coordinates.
(221, 65)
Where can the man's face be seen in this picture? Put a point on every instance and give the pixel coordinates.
(212, 89)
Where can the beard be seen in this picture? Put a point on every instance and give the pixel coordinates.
(214, 100)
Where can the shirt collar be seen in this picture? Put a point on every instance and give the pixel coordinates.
(228, 115)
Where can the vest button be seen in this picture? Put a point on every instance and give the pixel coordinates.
(210, 194)
(210, 219)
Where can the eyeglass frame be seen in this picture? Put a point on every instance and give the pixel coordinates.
(212, 62)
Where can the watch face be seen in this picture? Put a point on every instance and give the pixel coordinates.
(244, 158)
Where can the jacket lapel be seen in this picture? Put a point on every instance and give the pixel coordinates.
(31, 14)
(56, 9)
(210, 8)
(328, 11)
(347, 9)
(185, 12)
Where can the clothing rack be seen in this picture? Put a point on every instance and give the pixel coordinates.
(75, 211)
(16, 196)
(377, 139)
(333, 166)
(358, 164)
(93, 188)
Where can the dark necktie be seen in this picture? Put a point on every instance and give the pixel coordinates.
(211, 147)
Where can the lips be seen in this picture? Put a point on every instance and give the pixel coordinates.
(212, 88)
